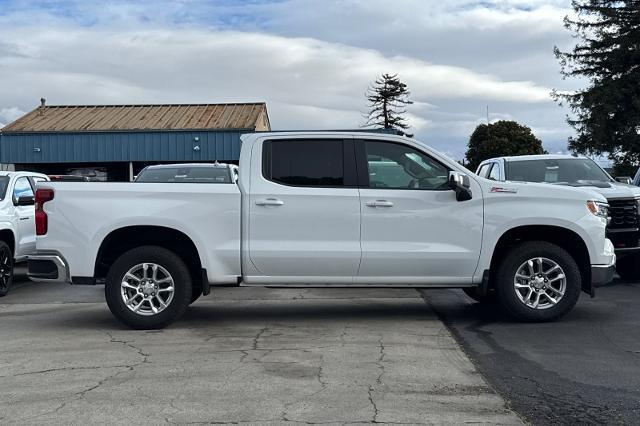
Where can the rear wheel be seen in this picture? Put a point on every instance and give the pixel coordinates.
(6, 268)
(538, 281)
(628, 268)
(148, 287)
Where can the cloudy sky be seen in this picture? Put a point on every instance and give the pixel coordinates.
(310, 60)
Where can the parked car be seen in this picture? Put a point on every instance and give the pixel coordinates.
(69, 178)
(314, 210)
(582, 172)
(97, 174)
(188, 173)
(17, 227)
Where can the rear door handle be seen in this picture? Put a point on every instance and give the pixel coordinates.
(269, 202)
(379, 203)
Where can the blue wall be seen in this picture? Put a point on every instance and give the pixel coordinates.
(119, 146)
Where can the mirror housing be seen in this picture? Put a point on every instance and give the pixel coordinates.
(624, 179)
(26, 200)
(460, 183)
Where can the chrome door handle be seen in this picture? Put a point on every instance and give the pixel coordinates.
(269, 202)
(379, 203)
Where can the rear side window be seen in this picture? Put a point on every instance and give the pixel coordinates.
(307, 163)
(22, 188)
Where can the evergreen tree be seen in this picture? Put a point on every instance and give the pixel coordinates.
(387, 98)
(606, 114)
(503, 138)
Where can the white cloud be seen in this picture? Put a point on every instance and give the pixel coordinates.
(311, 64)
(7, 115)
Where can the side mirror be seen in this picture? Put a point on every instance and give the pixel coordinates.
(460, 183)
(26, 200)
(624, 179)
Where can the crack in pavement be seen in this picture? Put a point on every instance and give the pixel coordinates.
(81, 394)
(52, 370)
(378, 381)
(257, 337)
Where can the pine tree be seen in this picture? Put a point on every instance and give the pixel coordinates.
(387, 98)
(606, 114)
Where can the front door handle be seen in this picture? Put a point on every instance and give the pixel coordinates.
(269, 202)
(379, 203)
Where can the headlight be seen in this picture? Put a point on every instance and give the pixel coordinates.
(599, 209)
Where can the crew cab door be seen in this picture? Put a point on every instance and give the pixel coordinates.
(25, 215)
(414, 231)
(304, 220)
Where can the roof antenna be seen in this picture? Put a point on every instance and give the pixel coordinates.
(43, 103)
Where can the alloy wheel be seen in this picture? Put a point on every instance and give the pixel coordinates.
(147, 289)
(540, 283)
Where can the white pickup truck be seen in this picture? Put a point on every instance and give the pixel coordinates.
(325, 209)
(17, 229)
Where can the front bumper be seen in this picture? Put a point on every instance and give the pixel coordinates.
(47, 267)
(602, 274)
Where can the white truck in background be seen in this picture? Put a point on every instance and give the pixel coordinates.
(325, 209)
(583, 173)
(17, 227)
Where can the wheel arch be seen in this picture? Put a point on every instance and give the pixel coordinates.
(9, 237)
(126, 238)
(565, 238)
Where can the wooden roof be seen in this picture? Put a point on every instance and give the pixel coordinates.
(90, 118)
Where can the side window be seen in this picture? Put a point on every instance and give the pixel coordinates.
(482, 171)
(494, 174)
(397, 166)
(21, 188)
(305, 162)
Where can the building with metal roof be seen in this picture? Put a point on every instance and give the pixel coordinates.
(119, 140)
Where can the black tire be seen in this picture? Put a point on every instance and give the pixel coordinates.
(628, 268)
(181, 282)
(519, 255)
(490, 297)
(6, 268)
(196, 292)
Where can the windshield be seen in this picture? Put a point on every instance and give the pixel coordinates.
(185, 175)
(4, 183)
(568, 171)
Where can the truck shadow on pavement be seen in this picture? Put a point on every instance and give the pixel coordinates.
(210, 314)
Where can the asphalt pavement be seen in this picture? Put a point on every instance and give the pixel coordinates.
(239, 355)
(583, 369)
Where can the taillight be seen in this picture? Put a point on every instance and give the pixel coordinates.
(42, 222)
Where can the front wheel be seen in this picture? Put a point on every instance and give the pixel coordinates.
(6, 268)
(538, 281)
(148, 287)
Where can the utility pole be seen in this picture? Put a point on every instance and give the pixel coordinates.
(488, 122)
